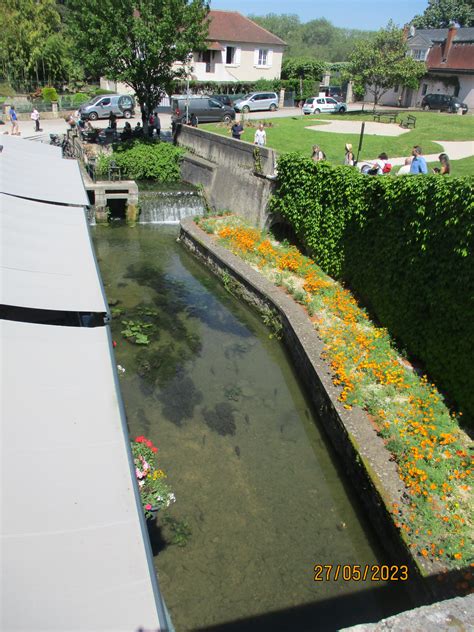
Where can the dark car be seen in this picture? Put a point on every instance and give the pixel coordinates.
(444, 102)
(205, 109)
(223, 98)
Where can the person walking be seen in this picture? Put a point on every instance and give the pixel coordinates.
(237, 130)
(12, 115)
(349, 156)
(260, 137)
(157, 124)
(35, 116)
(112, 121)
(418, 164)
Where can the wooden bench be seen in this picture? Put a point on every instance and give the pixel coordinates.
(410, 121)
(390, 116)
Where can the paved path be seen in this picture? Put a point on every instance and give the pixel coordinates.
(354, 127)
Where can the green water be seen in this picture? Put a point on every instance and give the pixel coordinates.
(260, 500)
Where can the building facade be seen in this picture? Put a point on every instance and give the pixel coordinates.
(449, 58)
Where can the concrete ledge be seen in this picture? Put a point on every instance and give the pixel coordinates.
(368, 463)
(445, 616)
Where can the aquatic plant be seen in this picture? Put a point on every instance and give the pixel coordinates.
(221, 419)
(155, 494)
(137, 332)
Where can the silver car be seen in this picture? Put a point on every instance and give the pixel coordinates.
(257, 101)
(104, 104)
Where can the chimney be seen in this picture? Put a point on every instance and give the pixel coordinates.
(449, 41)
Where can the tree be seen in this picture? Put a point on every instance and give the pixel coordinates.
(145, 44)
(441, 13)
(378, 65)
(33, 43)
(302, 68)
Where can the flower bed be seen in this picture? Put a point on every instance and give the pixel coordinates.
(154, 492)
(406, 410)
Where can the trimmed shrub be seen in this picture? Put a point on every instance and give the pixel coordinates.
(49, 94)
(141, 160)
(404, 245)
(79, 98)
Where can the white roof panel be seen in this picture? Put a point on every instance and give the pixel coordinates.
(16, 144)
(39, 177)
(74, 547)
(46, 257)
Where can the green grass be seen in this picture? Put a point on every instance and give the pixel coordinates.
(290, 134)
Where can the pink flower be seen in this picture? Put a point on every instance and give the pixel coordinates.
(148, 507)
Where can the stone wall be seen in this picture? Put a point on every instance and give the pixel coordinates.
(367, 462)
(225, 169)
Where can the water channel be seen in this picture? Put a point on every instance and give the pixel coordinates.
(260, 498)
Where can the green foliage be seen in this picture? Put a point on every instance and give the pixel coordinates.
(49, 94)
(139, 43)
(34, 45)
(404, 245)
(6, 90)
(145, 161)
(302, 68)
(317, 39)
(79, 98)
(180, 530)
(439, 14)
(136, 332)
(383, 63)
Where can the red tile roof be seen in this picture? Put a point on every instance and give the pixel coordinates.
(230, 26)
(460, 57)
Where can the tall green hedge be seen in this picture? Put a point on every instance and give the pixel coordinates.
(405, 245)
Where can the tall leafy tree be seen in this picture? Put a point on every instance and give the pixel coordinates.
(145, 44)
(32, 43)
(378, 65)
(441, 13)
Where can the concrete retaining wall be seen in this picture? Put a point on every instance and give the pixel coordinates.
(225, 169)
(368, 463)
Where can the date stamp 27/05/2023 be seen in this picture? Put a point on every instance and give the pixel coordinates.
(360, 573)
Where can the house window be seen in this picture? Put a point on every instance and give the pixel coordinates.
(419, 54)
(230, 55)
(262, 56)
(424, 89)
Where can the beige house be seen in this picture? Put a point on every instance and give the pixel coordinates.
(238, 50)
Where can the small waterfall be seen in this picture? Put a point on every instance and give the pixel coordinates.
(90, 212)
(168, 207)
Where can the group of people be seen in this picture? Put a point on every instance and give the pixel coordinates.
(260, 136)
(415, 164)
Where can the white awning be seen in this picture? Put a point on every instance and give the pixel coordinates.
(16, 144)
(44, 178)
(46, 257)
(74, 547)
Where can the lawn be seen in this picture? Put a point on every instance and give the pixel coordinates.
(291, 134)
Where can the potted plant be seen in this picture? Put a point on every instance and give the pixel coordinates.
(154, 492)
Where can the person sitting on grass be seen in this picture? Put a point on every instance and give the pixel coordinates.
(317, 154)
(418, 164)
(445, 168)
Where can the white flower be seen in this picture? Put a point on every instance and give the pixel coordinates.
(120, 368)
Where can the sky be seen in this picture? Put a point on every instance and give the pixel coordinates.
(367, 14)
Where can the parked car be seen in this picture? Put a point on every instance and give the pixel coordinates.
(104, 104)
(257, 101)
(445, 102)
(332, 91)
(206, 109)
(315, 105)
(225, 99)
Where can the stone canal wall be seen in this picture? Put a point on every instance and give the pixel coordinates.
(367, 462)
(225, 169)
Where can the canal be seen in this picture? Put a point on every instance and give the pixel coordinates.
(260, 498)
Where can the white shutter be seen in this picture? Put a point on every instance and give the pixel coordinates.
(255, 57)
(269, 58)
(237, 56)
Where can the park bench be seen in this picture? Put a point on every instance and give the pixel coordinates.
(391, 117)
(410, 121)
